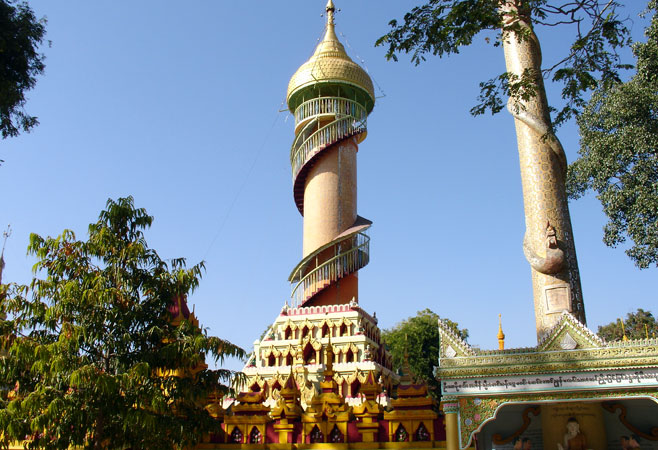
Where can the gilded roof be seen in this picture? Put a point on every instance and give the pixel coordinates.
(329, 63)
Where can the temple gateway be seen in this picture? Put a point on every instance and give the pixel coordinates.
(321, 376)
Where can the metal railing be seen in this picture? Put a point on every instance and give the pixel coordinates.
(329, 105)
(333, 269)
(302, 151)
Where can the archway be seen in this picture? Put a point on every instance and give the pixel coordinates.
(316, 435)
(401, 434)
(255, 437)
(336, 436)
(236, 436)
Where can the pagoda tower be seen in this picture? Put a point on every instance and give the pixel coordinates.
(330, 97)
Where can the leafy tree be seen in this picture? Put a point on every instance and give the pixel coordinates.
(21, 34)
(418, 337)
(636, 326)
(102, 350)
(443, 27)
(619, 154)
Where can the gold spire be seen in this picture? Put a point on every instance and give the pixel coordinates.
(290, 388)
(328, 384)
(330, 64)
(623, 330)
(501, 335)
(331, 9)
(329, 356)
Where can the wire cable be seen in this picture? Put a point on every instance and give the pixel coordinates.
(245, 180)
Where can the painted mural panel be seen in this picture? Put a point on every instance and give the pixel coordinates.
(516, 427)
(613, 425)
(631, 424)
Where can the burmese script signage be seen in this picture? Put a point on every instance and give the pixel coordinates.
(556, 382)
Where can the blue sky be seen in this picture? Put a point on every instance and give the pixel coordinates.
(179, 105)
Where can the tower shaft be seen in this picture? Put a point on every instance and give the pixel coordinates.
(330, 199)
(330, 195)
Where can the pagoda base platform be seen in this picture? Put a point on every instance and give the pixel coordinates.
(296, 343)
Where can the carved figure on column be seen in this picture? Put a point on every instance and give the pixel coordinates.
(553, 262)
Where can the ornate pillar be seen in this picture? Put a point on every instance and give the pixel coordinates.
(451, 410)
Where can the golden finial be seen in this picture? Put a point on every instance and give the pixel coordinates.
(331, 9)
(623, 330)
(646, 331)
(329, 356)
(330, 39)
(289, 385)
(501, 335)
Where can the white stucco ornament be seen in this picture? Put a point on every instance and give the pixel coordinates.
(568, 342)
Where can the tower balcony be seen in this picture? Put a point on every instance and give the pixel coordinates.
(327, 107)
(314, 135)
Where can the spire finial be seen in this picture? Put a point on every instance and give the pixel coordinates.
(623, 330)
(329, 357)
(501, 335)
(331, 9)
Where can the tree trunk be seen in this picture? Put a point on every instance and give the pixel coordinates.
(551, 253)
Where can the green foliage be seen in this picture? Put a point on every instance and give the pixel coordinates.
(419, 337)
(619, 154)
(21, 34)
(636, 326)
(443, 27)
(88, 341)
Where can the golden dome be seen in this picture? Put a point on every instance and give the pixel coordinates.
(330, 64)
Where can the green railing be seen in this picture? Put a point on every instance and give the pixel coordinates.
(329, 105)
(331, 133)
(342, 264)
